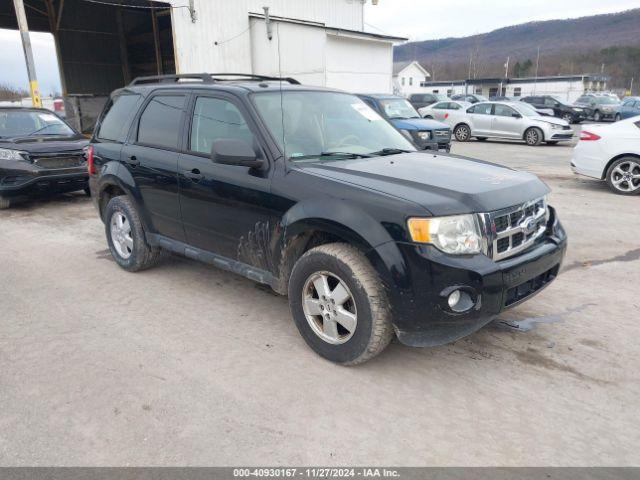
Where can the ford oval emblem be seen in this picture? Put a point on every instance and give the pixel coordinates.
(528, 226)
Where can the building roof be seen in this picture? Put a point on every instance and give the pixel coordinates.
(505, 81)
(400, 66)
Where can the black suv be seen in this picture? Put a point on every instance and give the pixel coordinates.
(420, 100)
(39, 155)
(309, 191)
(569, 113)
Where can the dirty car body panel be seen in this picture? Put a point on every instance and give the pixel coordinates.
(258, 221)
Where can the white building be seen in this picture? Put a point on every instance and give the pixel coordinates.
(565, 87)
(408, 76)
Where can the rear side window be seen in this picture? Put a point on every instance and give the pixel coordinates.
(481, 109)
(116, 119)
(160, 122)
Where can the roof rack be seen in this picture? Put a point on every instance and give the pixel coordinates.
(209, 78)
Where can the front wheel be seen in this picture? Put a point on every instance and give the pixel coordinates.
(623, 176)
(126, 238)
(533, 137)
(618, 117)
(597, 116)
(462, 133)
(339, 304)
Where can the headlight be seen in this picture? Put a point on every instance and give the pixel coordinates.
(6, 154)
(458, 234)
(556, 127)
(577, 110)
(423, 135)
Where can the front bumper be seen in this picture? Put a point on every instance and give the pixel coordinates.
(562, 136)
(425, 276)
(29, 180)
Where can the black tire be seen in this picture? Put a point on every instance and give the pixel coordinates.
(597, 116)
(481, 139)
(552, 143)
(373, 329)
(142, 256)
(533, 136)
(613, 175)
(618, 117)
(462, 132)
(87, 192)
(4, 203)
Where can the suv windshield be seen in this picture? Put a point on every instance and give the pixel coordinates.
(398, 108)
(607, 101)
(24, 123)
(318, 124)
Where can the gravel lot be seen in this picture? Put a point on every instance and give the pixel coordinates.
(189, 365)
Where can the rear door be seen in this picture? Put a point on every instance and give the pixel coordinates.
(481, 119)
(152, 160)
(224, 207)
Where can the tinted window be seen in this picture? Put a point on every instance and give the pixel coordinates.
(550, 102)
(441, 106)
(213, 119)
(160, 121)
(115, 122)
(481, 109)
(503, 111)
(628, 103)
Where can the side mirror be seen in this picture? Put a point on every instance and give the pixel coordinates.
(231, 151)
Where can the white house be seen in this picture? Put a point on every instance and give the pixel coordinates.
(408, 76)
(566, 87)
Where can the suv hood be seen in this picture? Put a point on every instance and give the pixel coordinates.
(45, 144)
(442, 184)
(418, 124)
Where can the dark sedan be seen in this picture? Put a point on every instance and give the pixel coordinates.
(40, 155)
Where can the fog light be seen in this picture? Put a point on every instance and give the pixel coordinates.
(453, 299)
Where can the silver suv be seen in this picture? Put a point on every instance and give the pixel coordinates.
(510, 120)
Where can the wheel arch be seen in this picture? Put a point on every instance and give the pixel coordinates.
(308, 226)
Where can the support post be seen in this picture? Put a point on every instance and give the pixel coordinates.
(28, 54)
(156, 41)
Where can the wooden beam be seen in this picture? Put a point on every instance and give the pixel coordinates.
(124, 54)
(156, 40)
(59, 14)
(54, 23)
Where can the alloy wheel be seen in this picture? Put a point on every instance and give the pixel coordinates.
(121, 236)
(626, 176)
(329, 307)
(532, 137)
(462, 133)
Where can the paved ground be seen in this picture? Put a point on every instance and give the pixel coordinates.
(189, 365)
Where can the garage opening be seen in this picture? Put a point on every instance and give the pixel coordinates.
(101, 46)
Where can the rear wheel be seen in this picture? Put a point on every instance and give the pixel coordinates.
(462, 133)
(87, 192)
(126, 238)
(623, 176)
(533, 136)
(339, 304)
(4, 203)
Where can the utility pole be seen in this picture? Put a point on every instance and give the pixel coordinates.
(535, 85)
(28, 54)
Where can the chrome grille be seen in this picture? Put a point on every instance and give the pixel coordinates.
(512, 230)
(442, 133)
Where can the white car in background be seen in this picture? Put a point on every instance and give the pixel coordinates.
(611, 153)
(510, 120)
(448, 111)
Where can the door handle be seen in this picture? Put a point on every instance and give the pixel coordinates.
(194, 175)
(133, 161)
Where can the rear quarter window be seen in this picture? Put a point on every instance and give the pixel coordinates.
(117, 117)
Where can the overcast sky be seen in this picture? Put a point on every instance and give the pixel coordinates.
(430, 19)
(416, 19)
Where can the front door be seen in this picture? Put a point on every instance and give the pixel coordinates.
(225, 208)
(481, 119)
(152, 160)
(507, 122)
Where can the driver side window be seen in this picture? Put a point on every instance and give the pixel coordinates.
(213, 119)
(504, 111)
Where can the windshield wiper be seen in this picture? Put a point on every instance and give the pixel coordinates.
(346, 155)
(389, 151)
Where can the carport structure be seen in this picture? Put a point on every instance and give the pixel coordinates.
(101, 46)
